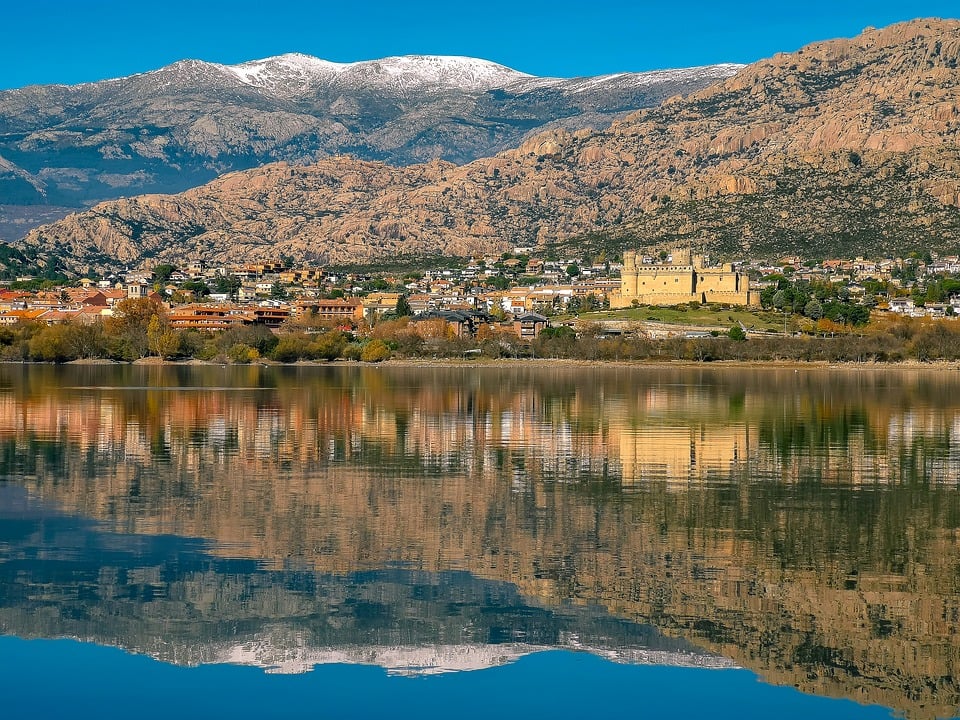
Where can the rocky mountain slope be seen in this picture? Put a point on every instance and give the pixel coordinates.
(182, 125)
(846, 146)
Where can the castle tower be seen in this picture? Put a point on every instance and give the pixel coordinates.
(628, 276)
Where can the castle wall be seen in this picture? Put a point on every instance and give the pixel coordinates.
(722, 280)
(666, 279)
(682, 281)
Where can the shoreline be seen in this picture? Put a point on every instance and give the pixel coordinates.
(537, 363)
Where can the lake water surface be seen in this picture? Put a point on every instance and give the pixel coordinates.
(328, 542)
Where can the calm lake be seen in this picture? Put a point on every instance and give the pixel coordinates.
(343, 541)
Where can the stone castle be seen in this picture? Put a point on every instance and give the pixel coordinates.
(682, 279)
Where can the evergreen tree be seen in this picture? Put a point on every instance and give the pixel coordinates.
(403, 307)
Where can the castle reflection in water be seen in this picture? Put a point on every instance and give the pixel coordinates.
(802, 523)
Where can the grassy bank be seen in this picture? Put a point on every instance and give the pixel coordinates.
(701, 316)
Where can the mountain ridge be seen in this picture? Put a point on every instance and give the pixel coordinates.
(180, 126)
(247, 71)
(846, 145)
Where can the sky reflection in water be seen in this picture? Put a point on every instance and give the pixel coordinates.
(64, 679)
(804, 525)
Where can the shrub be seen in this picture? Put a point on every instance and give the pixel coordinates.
(375, 351)
(207, 352)
(703, 350)
(329, 345)
(291, 348)
(52, 344)
(402, 335)
(242, 354)
(737, 334)
(192, 343)
(259, 337)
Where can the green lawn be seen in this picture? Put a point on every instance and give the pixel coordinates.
(704, 315)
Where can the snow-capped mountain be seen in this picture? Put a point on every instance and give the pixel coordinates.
(181, 125)
(294, 74)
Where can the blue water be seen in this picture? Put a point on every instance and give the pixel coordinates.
(803, 525)
(68, 679)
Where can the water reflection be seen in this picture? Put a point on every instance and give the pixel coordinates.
(802, 524)
(167, 596)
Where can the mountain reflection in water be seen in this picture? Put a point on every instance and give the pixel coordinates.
(803, 524)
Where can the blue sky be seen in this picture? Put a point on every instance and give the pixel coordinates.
(71, 41)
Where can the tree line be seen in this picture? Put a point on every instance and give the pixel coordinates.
(140, 328)
(816, 301)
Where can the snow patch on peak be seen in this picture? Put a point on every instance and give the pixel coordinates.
(654, 77)
(631, 79)
(255, 72)
(289, 74)
(448, 70)
(295, 73)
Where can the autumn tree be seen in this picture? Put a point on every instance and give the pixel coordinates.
(375, 351)
(329, 345)
(400, 335)
(162, 340)
(129, 324)
(87, 340)
(435, 329)
(51, 344)
(67, 341)
(292, 347)
(257, 336)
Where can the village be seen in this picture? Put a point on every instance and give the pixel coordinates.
(517, 289)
